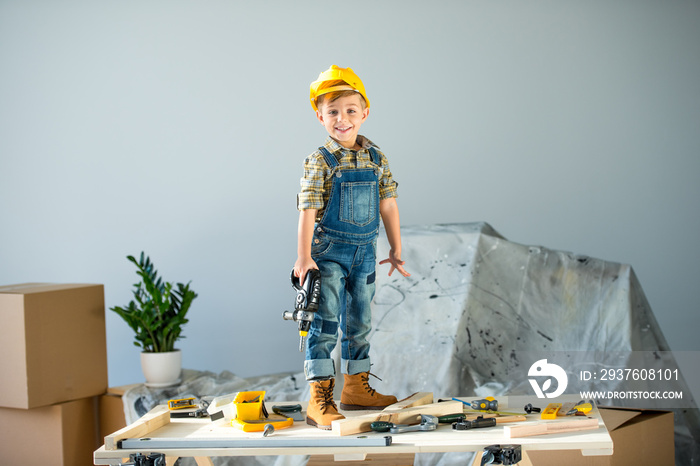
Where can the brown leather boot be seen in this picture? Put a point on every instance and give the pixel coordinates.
(357, 394)
(322, 409)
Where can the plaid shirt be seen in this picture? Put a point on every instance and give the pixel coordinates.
(317, 181)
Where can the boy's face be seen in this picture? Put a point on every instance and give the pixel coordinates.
(342, 118)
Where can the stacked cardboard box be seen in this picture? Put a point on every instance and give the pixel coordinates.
(53, 369)
(112, 417)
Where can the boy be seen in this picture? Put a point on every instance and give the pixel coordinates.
(346, 187)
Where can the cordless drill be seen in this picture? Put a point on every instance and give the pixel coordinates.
(306, 304)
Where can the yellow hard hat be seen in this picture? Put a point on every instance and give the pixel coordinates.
(335, 73)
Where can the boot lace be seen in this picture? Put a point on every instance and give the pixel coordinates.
(327, 397)
(365, 382)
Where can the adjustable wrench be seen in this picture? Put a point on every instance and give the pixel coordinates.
(427, 422)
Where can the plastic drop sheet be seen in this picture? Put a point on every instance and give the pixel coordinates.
(475, 313)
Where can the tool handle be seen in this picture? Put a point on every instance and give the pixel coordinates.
(308, 293)
(485, 404)
(475, 424)
(381, 426)
(481, 422)
(450, 418)
(284, 410)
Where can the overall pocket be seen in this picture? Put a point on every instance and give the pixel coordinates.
(320, 245)
(358, 202)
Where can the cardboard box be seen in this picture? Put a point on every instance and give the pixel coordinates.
(111, 405)
(62, 434)
(640, 436)
(53, 343)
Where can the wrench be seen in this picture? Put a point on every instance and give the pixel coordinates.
(427, 422)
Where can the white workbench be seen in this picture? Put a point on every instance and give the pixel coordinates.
(443, 439)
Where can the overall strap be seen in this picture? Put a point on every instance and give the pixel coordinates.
(330, 159)
(375, 156)
(333, 162)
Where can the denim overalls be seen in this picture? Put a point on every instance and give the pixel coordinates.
(344, 247)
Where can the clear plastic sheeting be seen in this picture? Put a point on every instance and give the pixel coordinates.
(478, 310)
(139, 399)
(476, 313)
(475, 302)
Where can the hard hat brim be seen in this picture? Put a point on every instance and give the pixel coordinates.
(334, 73)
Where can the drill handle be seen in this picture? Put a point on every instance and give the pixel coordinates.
(309, 292)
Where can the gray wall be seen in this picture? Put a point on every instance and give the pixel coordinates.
(179, 128)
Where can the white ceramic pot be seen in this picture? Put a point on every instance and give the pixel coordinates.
(162, 369)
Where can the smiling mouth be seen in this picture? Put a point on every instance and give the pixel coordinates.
(343, 129)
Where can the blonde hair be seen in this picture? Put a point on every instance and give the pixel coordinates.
(335, 95)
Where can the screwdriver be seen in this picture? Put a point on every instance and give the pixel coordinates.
(485, 404)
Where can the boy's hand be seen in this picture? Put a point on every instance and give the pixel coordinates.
(302, 266)
(396, 264)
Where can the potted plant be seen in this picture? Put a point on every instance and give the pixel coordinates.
(156, 315)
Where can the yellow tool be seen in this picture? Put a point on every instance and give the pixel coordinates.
(584, 408)
(250, 405)
(486, 404)
(182, 403)
(260, 425)
(252, 416)
(572, 409)
(550, 412)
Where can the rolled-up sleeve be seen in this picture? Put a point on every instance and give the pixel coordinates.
(387, 186)
(312, 183)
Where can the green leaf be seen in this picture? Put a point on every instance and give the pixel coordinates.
(157, 312)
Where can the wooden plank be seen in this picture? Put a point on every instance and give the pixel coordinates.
(550, 428)
(358, 424)
(396, 459)
(506, 419)
(152, 420)
(417, 399)
(203, 461)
